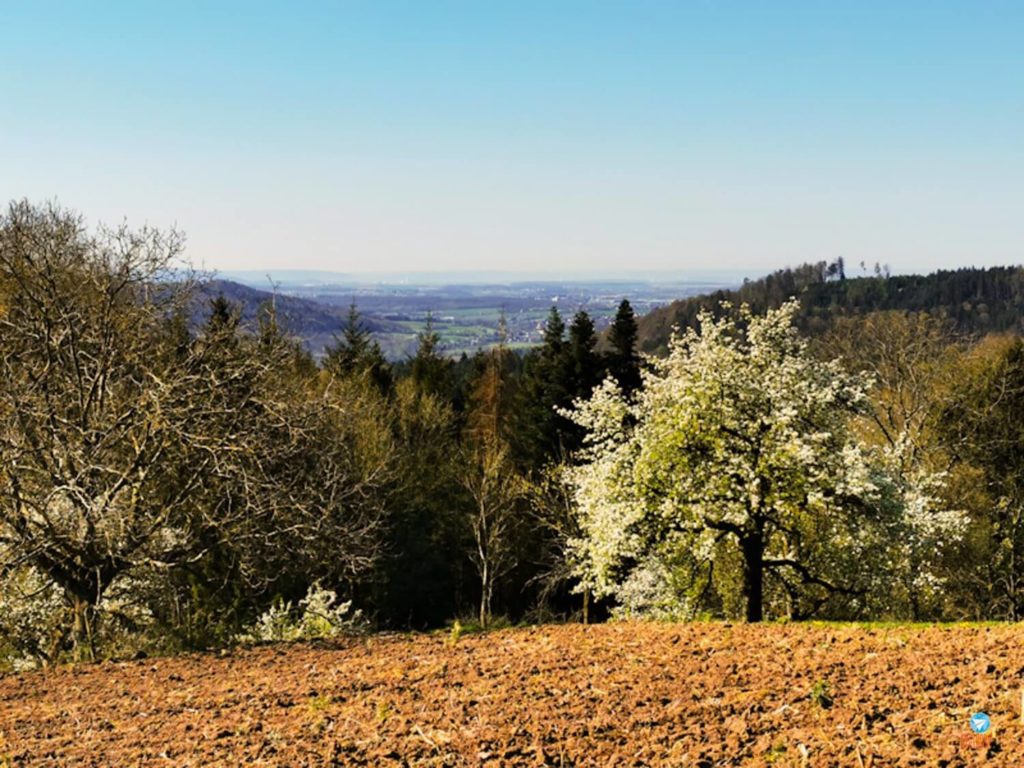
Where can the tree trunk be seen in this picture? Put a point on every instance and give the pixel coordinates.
(485, 595)
(84, 648)
(753, 574)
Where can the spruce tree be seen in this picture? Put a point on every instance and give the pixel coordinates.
(554, 334)
(430, 369)
(546, 386)
(355, 353)
(224, 316)
(624, 360)
(584, 370)
(585, 366)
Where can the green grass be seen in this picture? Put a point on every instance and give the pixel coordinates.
(893, 624)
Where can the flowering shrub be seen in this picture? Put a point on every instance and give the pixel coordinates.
(648, 592)
(32, 613)
(317, 615)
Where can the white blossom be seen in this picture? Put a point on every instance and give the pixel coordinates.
(739, 430)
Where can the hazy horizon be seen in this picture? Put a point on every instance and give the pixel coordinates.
(469, 276)
(528, 137)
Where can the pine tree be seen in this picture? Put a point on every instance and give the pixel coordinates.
(554, 334)
(430, 369)
(224, 316)
(544, 388)
(355, 353)
(624, 361)
(351, 347)
(585, 366)
(584, 370)
(558, 372)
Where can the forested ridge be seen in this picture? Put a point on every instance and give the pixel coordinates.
(303, 318)
(974, 300)
(173, 480)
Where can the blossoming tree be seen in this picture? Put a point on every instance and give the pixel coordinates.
(739, 448)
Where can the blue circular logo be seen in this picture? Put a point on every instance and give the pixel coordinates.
(980, 722)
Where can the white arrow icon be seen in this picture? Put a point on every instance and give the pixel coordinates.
(979, 722)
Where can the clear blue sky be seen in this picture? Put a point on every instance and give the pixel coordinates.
(528, 135)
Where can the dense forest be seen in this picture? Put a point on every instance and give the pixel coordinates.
(973, 300)
(175, 480)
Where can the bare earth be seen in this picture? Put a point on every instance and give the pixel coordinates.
(611, 695)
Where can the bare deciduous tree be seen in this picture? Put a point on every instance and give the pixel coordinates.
(496, 490)
(492, 481)
(128, 446)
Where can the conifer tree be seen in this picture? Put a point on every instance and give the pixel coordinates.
(544, 388)
(624, 361)
(430, 369)
(583, 372)
(554, 334)
(355, 353)
(584, 364)
(224, 316)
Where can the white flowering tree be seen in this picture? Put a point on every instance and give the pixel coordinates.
(739, 448)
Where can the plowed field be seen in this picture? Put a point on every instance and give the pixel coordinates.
(611, 695)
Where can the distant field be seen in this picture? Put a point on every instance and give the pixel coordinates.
(465, 315)
(610, 695)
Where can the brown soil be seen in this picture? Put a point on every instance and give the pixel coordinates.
(612, 695)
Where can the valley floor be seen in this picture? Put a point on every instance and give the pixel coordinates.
(702, 694)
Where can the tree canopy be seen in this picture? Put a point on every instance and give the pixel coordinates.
(740, 439)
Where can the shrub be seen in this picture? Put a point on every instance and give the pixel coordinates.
(32, 614)
(317, 615)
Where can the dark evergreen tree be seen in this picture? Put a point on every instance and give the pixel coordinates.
(544, 388)
(584, 371)
(355, 353)
(430, 369)
(464, 370)
(624, 362)
(554, 334)
(555, 374)
(585, 365)
(224, 317)
(419, 576)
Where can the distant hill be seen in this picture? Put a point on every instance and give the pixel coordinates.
(974, 300)
(313, 322)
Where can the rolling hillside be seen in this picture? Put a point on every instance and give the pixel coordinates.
(974, 300)
(314, 323)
